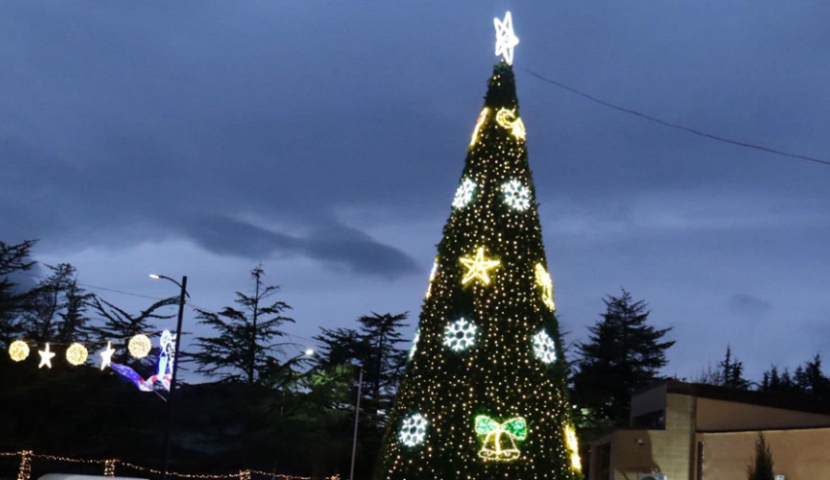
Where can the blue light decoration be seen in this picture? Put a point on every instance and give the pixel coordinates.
(164, 372)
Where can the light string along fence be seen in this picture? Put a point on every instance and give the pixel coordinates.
(109, 468)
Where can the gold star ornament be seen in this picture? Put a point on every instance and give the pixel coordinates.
(478, 267)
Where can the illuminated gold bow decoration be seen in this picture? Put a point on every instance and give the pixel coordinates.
(499, 441)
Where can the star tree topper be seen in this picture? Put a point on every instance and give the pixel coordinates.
(505, 39)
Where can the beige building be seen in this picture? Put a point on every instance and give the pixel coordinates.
(687, 431)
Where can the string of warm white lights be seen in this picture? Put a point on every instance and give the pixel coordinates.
(110, 465)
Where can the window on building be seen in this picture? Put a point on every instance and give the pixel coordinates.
(653, 420)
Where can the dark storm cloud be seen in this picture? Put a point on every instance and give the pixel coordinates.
(250, 127)
(337, 244)
(748, 305)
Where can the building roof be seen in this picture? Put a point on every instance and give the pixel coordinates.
(785, 401)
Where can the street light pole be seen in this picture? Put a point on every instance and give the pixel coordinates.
(167, 432)
(356, 419)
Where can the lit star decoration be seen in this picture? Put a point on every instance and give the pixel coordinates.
(413, 431)
(464, 193)
(573, 446)
(431, 278)
(482, 117)
(544, 282)
(516, 195)
(106, 356)
(45, 357)
(510, 121)
(500, 438)
(460, 335)
(506, 40)
(76, 354)
(477, 267)
(19, 350)
(414, 343)
(544, 347)
(139, 346)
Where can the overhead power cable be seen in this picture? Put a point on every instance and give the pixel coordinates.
(674, 125)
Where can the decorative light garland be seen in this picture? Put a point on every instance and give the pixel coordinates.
(18, 350)
(500, 438)
(477, 267)
(460, 335)
(413, 430)
(76, 354)
(139, 346)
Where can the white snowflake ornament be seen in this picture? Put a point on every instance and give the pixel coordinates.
(516, 195)
(464, 193)
(544, 347)
(460, 335)
(414, 430)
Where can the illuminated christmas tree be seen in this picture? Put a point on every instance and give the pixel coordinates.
(485, 394)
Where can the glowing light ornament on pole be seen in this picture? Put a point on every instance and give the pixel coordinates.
(477, 267)
(76, 354)
(506, 40)
(19, 350)
(106, 356)
(139, 346)
(166, 363)
(516, 195)
(45, 357)
(460, 335)
(500, 438)
(414, 430)
(464, 193)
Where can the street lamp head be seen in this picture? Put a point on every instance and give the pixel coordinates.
(154, 276)
(309, 352)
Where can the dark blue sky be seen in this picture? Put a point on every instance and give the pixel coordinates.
(326, 139)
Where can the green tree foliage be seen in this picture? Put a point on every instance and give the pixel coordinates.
(56, 308)
(14, 259)
(808, 379)
(495, 372)
(623, 354)
(761, 469)
(119, 326)
(243, 348)
(729, 373)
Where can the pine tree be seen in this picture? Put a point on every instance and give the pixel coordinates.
(13, 259)
(761, 469)
(623, 354)
(484, 394)
(243, 351)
